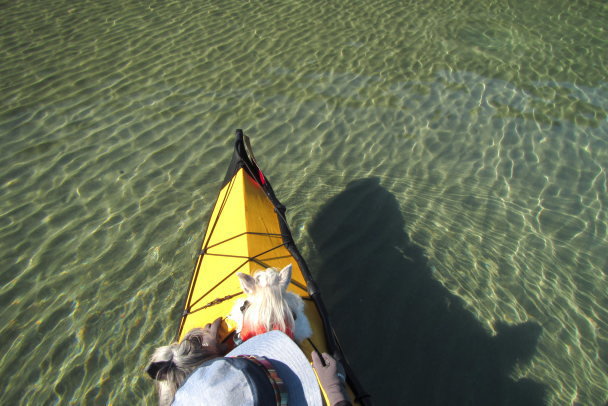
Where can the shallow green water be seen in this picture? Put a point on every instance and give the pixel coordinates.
(476, 132)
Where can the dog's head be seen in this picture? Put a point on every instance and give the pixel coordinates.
(269, 279)
(171, 365)
(266, 308)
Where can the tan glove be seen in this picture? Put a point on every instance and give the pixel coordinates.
(328, 376)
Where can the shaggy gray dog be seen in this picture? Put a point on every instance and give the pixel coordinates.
(172, 364)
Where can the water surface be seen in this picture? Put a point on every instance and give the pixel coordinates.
(476, 135)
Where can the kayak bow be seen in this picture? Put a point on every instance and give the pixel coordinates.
(248, 231)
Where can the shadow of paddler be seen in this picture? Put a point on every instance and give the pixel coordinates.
(409, 339)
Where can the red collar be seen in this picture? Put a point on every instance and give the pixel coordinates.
(247, 333)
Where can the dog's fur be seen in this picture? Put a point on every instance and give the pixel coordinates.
(269, 306)
(174, 363)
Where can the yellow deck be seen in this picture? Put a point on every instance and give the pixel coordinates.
(242, 207)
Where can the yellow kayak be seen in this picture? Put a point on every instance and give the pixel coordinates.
(247, 232)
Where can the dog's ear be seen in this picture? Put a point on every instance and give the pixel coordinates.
(159, 370)
(285, 277)
(247, 282)
(161, 363)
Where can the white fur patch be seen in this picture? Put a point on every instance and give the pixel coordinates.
(302, 329)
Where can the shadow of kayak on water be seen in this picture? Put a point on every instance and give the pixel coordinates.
(409, 339)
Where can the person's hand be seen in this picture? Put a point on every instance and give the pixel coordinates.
(328, 376)
(210, 336)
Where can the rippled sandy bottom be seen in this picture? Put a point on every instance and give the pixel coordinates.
(487, 124)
